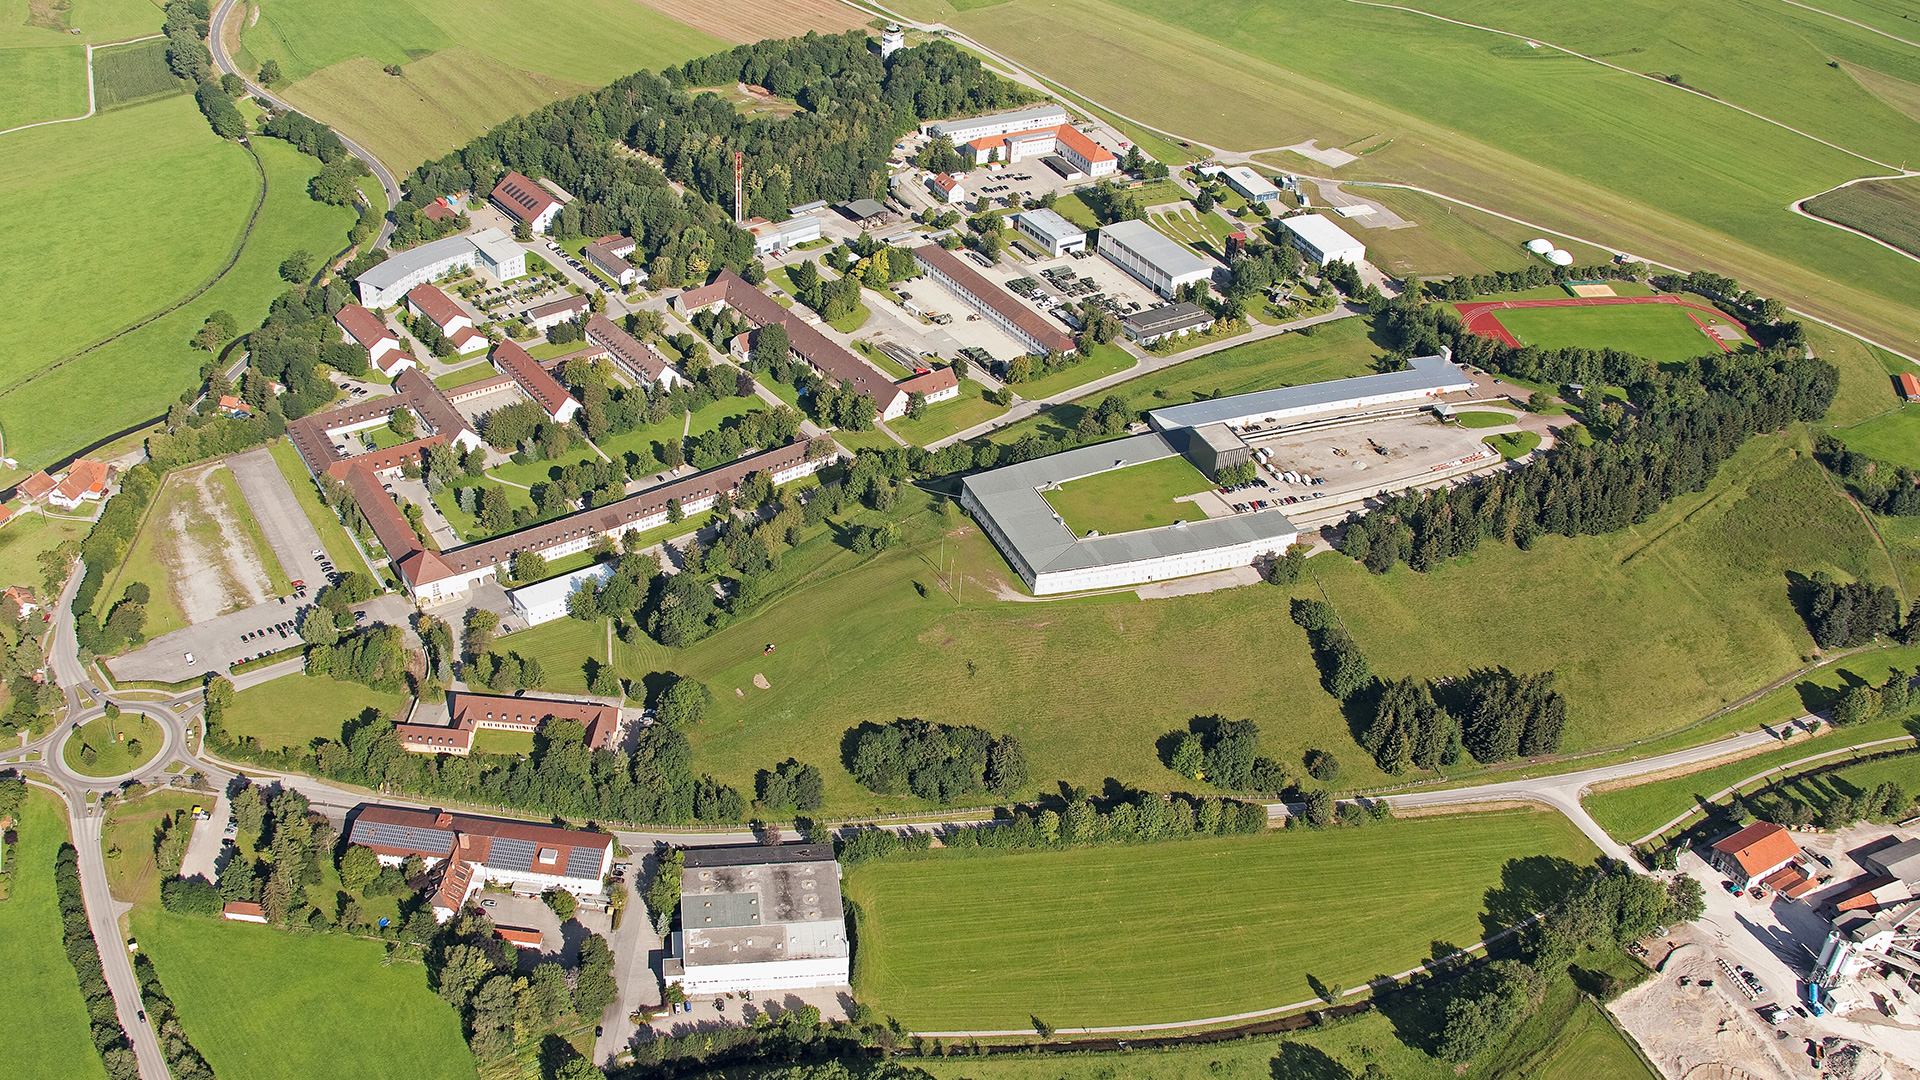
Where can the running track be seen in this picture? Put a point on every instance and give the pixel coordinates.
(1481, 316)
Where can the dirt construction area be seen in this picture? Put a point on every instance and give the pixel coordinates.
(200, 547)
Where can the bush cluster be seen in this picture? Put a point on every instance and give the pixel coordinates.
(937, 762)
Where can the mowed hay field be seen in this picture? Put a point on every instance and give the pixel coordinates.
(48, 1034)
(43, 61)
(1189, 929)
(42, 84)
(1657, 171)
(756, 20)
(1888, 209)
(264, 1003)
(184, 226)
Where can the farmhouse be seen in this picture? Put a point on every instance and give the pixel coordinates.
(1426, 377)
(1168, 320)
(609, 256)
(526, 201)
(428, 302)
(489, 250)
(642, 361)
(1321, 241)
(960, 132)
(947, 188)
(86, 481)
(19, 599)
(1051, 231)
(545, 601)
(1024, 324)
(371, 333)
(772, 236)
(1754, 852)
(1251, 185)
(566, 309)
(543, 388)
(820, 352)
(1150, 256)
(758, 918)
(469, 852)
(1052, 559)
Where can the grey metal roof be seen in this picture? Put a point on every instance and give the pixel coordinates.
(514, 854)
(1428, 374)
(861, 209)
(1167, 318)
(406, 262)
(1220, 437)
(1050, 224)
(1011, 496)
(1039, 112)
(388, 835)
(1155, 246)
(1902, 860)
(747, 905)
(757, 855)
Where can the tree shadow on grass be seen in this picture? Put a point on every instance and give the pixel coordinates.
(1527, 887)
(1299, 1061)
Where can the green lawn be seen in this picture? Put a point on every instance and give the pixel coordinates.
(539, 472)
(22, 540)
(944, 418)
(296, 709)
(472, 373)
(1104, 361)
(127, 839)
(113, 741)
(644, 442)
(1892, 436)
(1485, 419)
(47, 1018)
(490, 741)
(1452, 239)
(852, 320)
(1660, 332)
(333, 535)
(261, 1002)
(1180, 930)
(1122, 500)
(42, 84)
(1514, 444)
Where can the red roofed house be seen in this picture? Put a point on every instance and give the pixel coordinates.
(940, 384)
(1066, 140)
(427, 301)
(1864, 893)
(244, 911)
(370, 330)
(947, 188)
(233, 406)
(519, 936)
(86, 480)
(18, 598)
(1753, 853)
(1909, 386)
(609, 256)
(523, 199)
(562, 310)
(35, 487)
(543, 388)
(6, 515)
(641, 360)
(472, 851)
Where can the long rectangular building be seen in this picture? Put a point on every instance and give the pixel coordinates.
(1001, 123)
(1151, 256)
(759, 918)
(489, 250)
(1425, 377)
(1026, 325)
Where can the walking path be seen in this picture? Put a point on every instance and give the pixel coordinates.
(90, 96)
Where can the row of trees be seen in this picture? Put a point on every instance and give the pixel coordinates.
(83, 952)
(1885, 487)
(184, 1061)
(936, 762)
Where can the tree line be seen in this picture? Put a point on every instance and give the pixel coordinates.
(83, 952)
(1886, 488)
(936, 762)
(1847, 615)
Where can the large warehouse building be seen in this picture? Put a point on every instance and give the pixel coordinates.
(1322, 242)
(1051, 559)
(1147, 254)
(488, 249)
(758, 918)
(1425, 377)
(961, 132)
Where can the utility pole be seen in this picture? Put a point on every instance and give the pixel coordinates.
(739, 212)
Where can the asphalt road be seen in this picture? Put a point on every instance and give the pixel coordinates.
(273, 504)
(225, 65)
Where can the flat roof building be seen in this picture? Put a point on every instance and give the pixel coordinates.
(1051, 231)
(759, 918)
(1321, 241)
(1152, 257)
(1165, 321)
(772, 236)
(489, 250)
(1002, 123)
(1024, 324)
(1425, 377)
(1251, 185)
(1043, 549)
(545, 601)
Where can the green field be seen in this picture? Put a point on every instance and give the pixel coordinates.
(1122, 500)
(294, 710)
(1659, 332)
(42, 84)
(22, 540)
(128, 74)
(490, 741)
(944, 418)
(1704, 186)
(1485, 419)
(43, 67)
(47, 1017)
(465, 66)
(264, 1003)
(154, 185)
(1514, 444)
(1888, 209)
(1892, 436)
(128, 841)
(472, 373)
(1450, 239)
(112, 740)
(1102, 362)
(1183, 930)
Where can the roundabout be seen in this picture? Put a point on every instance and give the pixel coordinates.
(109, 748)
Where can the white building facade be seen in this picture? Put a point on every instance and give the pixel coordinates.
(1152, 258)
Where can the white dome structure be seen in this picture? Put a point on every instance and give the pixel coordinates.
(1540, 246)
(1559, 258)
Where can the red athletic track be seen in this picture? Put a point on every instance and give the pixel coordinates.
(1480, 318)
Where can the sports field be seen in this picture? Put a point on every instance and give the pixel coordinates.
(1467, 119)
(1122, 500)
(1182, 930)
(296, 709)
(47, 1023)
(261, 1002)
(1659, 328)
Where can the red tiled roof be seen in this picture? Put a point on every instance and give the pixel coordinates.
(946, 182)
(1858, 893)
(1909, 386)
(930, 383)
(364, 326)
(439, 211)
(564, 304)
(484, 829)
(244, 907)
(435, 305)
(599, 718)
(228, 401)
(808, 343)
(1760, 846)
(539, 385)
(995, 297)
(85, 477)
(454, 739)
(519, 935)
(462, 336)
(390, 526)
(634, 354)
(33, 487)
(1076, 140)
(522, 197)
(423, 567)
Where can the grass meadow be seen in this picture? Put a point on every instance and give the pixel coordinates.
(42, 84)
(1657, 171)
(1179, 930)
(1889, 209)
(1103, 361)
(113, 741)
(295, 710)
(22, 540)
(1449, 239)
(43, 61)
(1661, 332)
(48, 1032)
(946, 417)
(129, 74)
(153, 184)
(1122, 500)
